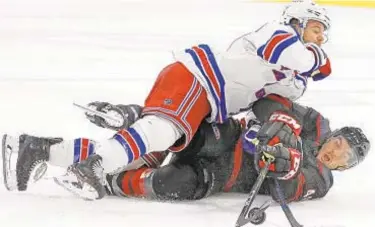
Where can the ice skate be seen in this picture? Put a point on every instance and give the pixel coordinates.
(85, 179)
(24, 159)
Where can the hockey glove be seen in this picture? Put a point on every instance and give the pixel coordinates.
(280, 128)
(286, 164)
(322, 61)
(126, 114)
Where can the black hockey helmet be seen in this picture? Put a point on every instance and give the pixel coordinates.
(356, 139)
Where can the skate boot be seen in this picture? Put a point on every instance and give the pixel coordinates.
(85, 179)
(24, 159)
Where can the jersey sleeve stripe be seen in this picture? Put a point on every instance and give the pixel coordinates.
(317, 58)
(280, 47)
(302, 79)
(261, 50)
(273, 43)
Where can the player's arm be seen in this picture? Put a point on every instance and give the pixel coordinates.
(316, 127)
(285, 48)
(277, 136)
(279, 124)
(300, 177)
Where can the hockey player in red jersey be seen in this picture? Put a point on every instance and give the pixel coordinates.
(204, 85)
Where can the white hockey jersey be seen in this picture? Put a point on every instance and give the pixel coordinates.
(269, 60)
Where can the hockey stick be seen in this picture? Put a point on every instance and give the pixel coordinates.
(288, 213)
(98, 113)
(246, 215)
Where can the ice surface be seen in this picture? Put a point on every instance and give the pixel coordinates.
(55, 52)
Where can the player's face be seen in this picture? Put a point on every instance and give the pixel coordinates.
(314, 33)
(336, 153)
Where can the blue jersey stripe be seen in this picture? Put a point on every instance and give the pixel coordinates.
(281, 47)
(260, 50)
(138, 140)
(126, 147)
(199, 65)
(220, 78)
(77, 150)
(317, 63)
(319, 76)
(319, 59)
(301, 78)
(91, 148)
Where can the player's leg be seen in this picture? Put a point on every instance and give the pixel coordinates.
(23, 157)
(174, 109)
(208, 165)
(178, 180)
(175, 181)
(31, 154)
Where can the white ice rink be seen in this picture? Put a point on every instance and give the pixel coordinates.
(55, 52)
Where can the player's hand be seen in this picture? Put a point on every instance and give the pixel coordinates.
(282, 128)
(287, 161)
(125, 114)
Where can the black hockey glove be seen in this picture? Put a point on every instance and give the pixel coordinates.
(280, 128)
(286, 164)
(126, 114)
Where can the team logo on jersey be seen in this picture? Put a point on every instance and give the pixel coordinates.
(167, 102)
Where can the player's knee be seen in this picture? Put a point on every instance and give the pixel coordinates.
(158, 133)
(175, 182)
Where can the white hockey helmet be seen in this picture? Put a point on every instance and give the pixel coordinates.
(305, 11)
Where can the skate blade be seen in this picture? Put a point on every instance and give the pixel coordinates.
(81, 189)
(10, 146)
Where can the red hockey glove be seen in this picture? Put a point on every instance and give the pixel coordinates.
(287, 161)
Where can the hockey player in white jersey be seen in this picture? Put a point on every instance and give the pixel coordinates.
(201, 85)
